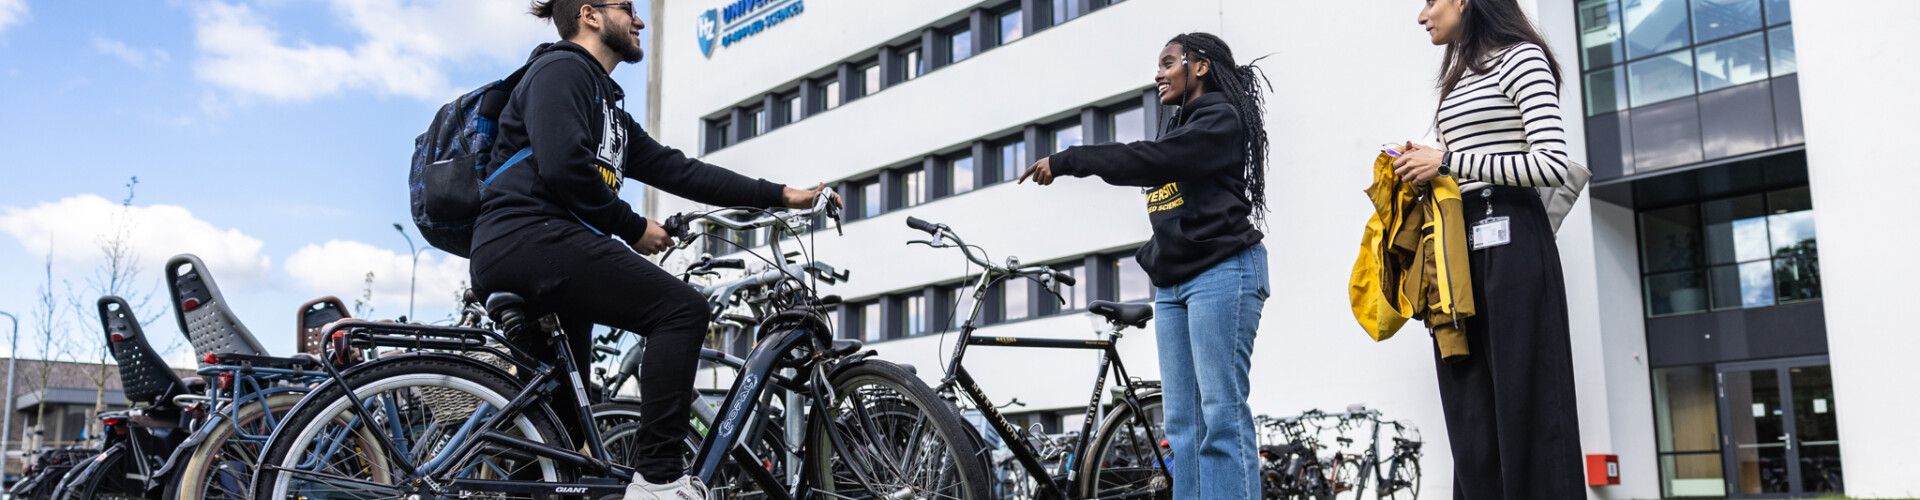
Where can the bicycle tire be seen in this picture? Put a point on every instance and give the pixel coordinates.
(1347, 483)
(220, 450)
(1403, 479)
(1119, 461)
(883, 393)
(404, 385)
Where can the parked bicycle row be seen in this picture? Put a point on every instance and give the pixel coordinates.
(1299, 461)
(379, 409)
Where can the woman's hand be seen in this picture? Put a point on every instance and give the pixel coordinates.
(1418, 164)
(803, 198)
(1041, 172)
(652, 241)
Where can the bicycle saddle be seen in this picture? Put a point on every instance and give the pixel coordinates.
(507, 309)
(1134, 315)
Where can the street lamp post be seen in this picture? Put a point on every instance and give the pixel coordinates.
(13, 353)
(413, 275)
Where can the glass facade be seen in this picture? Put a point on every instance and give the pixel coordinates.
(1130, 281)
(869, 80)
(1747, 251)
(911, 65)
(1639, 52)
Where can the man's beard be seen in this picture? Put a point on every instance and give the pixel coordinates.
(626, 46)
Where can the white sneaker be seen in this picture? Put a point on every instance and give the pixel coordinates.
(685, 488)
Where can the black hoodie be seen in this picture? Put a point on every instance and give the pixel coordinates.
(1197, 197)
(584, 147)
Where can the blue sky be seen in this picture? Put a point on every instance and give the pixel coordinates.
(270, 137)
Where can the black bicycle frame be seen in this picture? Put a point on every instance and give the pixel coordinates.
(1024, 452)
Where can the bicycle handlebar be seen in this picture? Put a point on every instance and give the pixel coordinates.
(941, 233)
(679, 224)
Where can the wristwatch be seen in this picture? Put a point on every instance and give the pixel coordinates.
(1446, 164)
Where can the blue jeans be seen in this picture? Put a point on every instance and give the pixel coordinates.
(1206, 328)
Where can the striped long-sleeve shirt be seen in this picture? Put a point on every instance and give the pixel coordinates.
(1503, 127)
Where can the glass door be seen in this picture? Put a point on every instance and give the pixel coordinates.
(1779, 428)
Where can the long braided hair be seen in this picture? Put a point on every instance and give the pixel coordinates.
(1239, 85)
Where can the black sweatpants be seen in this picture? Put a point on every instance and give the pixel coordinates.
(1510, 409)
(561, 267)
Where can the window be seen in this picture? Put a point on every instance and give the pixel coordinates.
(1013, 159)
(911, 65)
(1716, 19)
(829, 95)
(1065, 10)
(910, 316)
(870, 79)
(717, 134)
(791, 109)
(756, 123)
(1739, 61)
(865, 198)
(1013, 299)
(1012, 26)
(959, 45)
(910, 187)
(866, 321)
(1065, 137)
(1128, 125)
(1639, 52)
(1732, 253)
(1130, 281)
(960, 174)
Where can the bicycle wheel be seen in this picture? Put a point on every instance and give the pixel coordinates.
(221, 467)
(1403, 479)
(328, 450)
(1127, 458)
(1347, 480)
(892, 438)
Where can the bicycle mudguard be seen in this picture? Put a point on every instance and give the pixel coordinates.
(193, 441)
(90, 471)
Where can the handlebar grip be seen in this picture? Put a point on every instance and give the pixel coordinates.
(916, 223)
(727, 264)
(1064, 278)
(676, 225)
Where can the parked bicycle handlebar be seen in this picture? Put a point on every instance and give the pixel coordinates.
(941, 234)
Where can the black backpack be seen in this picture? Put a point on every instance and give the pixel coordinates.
(450, 165)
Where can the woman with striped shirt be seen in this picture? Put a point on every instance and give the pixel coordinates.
(1511, 417)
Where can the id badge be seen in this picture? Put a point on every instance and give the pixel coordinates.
(1491, 232)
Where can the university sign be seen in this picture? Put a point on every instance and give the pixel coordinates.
(741, 19)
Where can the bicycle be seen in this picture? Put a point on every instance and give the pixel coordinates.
(1400, 480)
(1125, 458)
(1292, 469)
(449, 426)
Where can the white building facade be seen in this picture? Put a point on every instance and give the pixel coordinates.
(1719, 352)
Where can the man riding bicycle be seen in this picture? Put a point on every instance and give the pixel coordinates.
(545, 223)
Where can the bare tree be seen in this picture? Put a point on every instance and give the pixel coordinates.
(363, 305)
(47, 319)
(118, 275)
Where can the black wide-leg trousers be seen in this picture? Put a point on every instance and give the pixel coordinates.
(1511, 417)
(588, 279)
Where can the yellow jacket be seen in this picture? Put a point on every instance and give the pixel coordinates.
(1413, 261)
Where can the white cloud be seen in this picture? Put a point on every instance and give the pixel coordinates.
(339, 268)
(12, 12)
(138, 58)
(405, 47)
(75, 227)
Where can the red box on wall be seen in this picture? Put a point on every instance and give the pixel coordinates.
(1603, 470)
